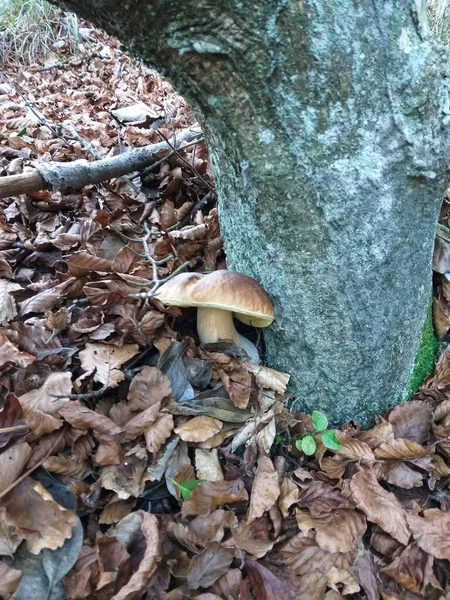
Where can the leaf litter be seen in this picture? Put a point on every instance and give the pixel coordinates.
(138, 465)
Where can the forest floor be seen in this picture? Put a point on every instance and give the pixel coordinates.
(136, 464)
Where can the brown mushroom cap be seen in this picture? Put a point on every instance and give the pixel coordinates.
(225, 290)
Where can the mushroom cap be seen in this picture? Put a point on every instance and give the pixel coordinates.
(225, 290)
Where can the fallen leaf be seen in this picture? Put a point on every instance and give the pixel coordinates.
(8, 308)
(82, 417)
(12, 417)
(198, 429)
(432, 532)
(9, 580)
(337, 531)
(158, 432)
(411, 420)
(265, 490)
(400, 449)
(147, 567)
(412, 569)
(209, 495)
(28, 506)
(380, 506)
(104, 362)
(209, 565)
(319, 498)
(13, 461)
(10, 354)
(207, 464)
(147, 388)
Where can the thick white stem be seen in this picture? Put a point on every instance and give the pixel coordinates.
(214, 325)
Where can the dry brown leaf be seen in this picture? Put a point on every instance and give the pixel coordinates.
(269, 378)
(158, 432)
(12, 463)
(401, 475)
(383, 432)
(266, 437)
(412, 569)
(147, 388)
(380, 506)
(201, 531)
(302, 554)
(81, 417)
(288, 495)
(124, 483)
(342, 577)
(9, 580)
(147, 567)
(411, 420)
(400, 449)
(319, 498)
(209, 495)
(58, 384)
(115, 511)
(207, 465)
(109, 452)
(199, 429)
(8, 308)
(10, 354)
(82, 579)
(47, 299)
(337, 531)
(229, 585)
(245, 538)
(432, 532)
(354, 449)
(265, 489)
(209, 565)
(41, 521)
(104, 361)
(141, 422)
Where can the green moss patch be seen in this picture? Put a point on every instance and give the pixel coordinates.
(426, 355)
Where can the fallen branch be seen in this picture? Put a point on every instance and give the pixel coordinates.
(77, 174)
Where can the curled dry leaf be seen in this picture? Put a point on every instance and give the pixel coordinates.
(207, 465)
(11, 355)
(380, 506)
(147, 567)
(354, 449)
(269, 378)
(104, 361)
(9, 580)
(245, 538)
(81, 417)
(141, 422)
(11, 416)
(12, 463)
(265, 490)
(412, 569)
(209, 495)
(288, 495)
(432, 532)
(209, 565)
(400, 449)
(199, 429)
(42, 399)
(412, 420)
(28, 507)
(319, 498)
(158, 432)
(401, 475)
(8, 308)
(337, 531)
(342, 577)
(147, 388)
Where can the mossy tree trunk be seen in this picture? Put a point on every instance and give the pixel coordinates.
(327, 122)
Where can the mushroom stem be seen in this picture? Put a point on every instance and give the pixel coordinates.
(215, 324)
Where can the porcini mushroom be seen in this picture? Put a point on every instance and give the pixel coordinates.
(219, 296)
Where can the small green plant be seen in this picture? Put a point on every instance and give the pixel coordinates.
(307, 442)
(185, 488)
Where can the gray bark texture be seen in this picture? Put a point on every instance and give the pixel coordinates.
(327, 122)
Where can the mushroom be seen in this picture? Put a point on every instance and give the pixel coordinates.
(219, 296)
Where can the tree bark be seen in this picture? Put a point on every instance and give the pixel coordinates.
(327, 122)
(76, 174)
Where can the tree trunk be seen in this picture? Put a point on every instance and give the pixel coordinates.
(327, 122)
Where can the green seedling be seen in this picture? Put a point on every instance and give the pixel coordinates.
(185, 488)
(307, 442)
